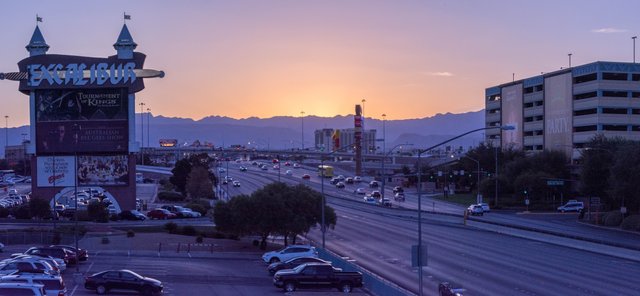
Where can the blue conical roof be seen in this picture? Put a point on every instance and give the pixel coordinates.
(125, 39)
(37, 43)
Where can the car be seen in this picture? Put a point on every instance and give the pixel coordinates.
(376, 194)
(374, 184)
(340, 185)
(254, 163)
(10, 266)
(81, 253)
(306, 177)
(132, 215)
(398, 189)
(52, 284)
(317, 275)
(276, 167)
(292, 263)
(161, 214)
(66, 255)
(236, 183)
(475, 210)
(399, 196)
(357, 179)
(221, 170)
(349, 180)
(296, 166)
(485, 207)
(287, 163)
(105, 281)
(243, 169)
(445, 289)
(1, 247)
(288, 172)
(385, 202)
(22, 289)
(369, 199)
(264, 168)
(192, 213)
(290, 252)
(360, 190)
(57, 263)
(571, 206)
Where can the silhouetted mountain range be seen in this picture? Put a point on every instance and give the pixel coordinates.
(284, 132)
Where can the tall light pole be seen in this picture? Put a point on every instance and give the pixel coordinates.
(384, 176)
(634, 48)
(302, 129)
(148, 124)
(420, 152)
(6, 134)
(76, 131)
(141, 132)
(384, 133)
(570, 59)
(495, 202)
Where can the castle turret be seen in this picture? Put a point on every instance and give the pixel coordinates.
(37, 45)
(125, 44)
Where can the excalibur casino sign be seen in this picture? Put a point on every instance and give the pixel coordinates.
(82, 112)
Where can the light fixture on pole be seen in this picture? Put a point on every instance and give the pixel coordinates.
(419, 249)
(148, 124)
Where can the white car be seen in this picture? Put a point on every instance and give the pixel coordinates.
(22, 289)
(290, 252)
(357, 179)
(475, 210)
(53, 284)
(369, 199)
(236, 183)
(572, 205)
(288, 173)
(360, 190)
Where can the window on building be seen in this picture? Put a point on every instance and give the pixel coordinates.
(635, 77)
(585, 112)
(539, 118)
(614, 127)
(539, 133)
(528, 148)
(528, 90)
(635, 128)
(528, 105)
(493, 98)
(614, 93)
(635, 111)
(592, 94)
(539, 87)
(587, 128)
(529, 134)
(614, 76)
(635, 94)
(539, 103)
(614, 110)
(528, 119)
(585, 78)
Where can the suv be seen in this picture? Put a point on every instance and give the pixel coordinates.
(11, 266)
(398, 189)
(52, 284)
(290, 252)
(399, 196)
(21, 289)
(475, 210)
(56, 252)
(385, 202)
(373, 184)
(571, 205)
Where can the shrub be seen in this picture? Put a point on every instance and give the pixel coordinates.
(199, 239)
(22, 212)
(171, 227)
(255, 242)
(197, 208)
(4, 212)
(98, 212)
(218, 235)
(631, 223)
(613, 218)
(130, 233)
(188, 230)
(170, 196)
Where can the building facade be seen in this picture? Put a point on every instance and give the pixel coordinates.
(565, 109)
(324, 138)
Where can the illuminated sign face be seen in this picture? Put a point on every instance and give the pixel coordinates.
(79, 74)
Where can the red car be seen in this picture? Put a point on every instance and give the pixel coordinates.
(160, 214)
(306, 177)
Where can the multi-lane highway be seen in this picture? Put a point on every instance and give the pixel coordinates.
(483, 262)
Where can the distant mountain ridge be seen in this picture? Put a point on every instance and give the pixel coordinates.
(284, 132)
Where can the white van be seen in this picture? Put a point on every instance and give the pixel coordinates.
(52, 284)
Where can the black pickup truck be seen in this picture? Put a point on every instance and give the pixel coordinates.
(317, 275)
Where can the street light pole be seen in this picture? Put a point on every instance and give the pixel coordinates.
(634, 48)
(384, 157)
(302, 129)
(148, 124)
(6, 134)
(141, 132)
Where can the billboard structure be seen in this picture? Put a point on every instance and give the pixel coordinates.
(558, 113)
(512, 115)
(82, 112)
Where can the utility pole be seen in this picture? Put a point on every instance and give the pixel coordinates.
(141, 132)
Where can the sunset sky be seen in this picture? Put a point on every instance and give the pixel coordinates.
(264, 58)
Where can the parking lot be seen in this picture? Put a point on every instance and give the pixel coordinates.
(207, 269)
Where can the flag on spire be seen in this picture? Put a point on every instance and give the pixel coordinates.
(127, 16)
(38, 19)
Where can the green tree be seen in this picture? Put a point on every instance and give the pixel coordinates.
(199, 184)
(39, 207)
(597, 160)
(625, 177)
(180, 174)
(98, 212)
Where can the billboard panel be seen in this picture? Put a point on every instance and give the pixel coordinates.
(65, 137)
(558, 113)
(104, 170)
(75, 104)
(54, 171)
(512, 115)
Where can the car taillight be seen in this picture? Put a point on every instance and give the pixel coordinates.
(60, 293)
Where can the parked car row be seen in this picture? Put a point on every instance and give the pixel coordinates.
(298, 266)
(172, 212)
